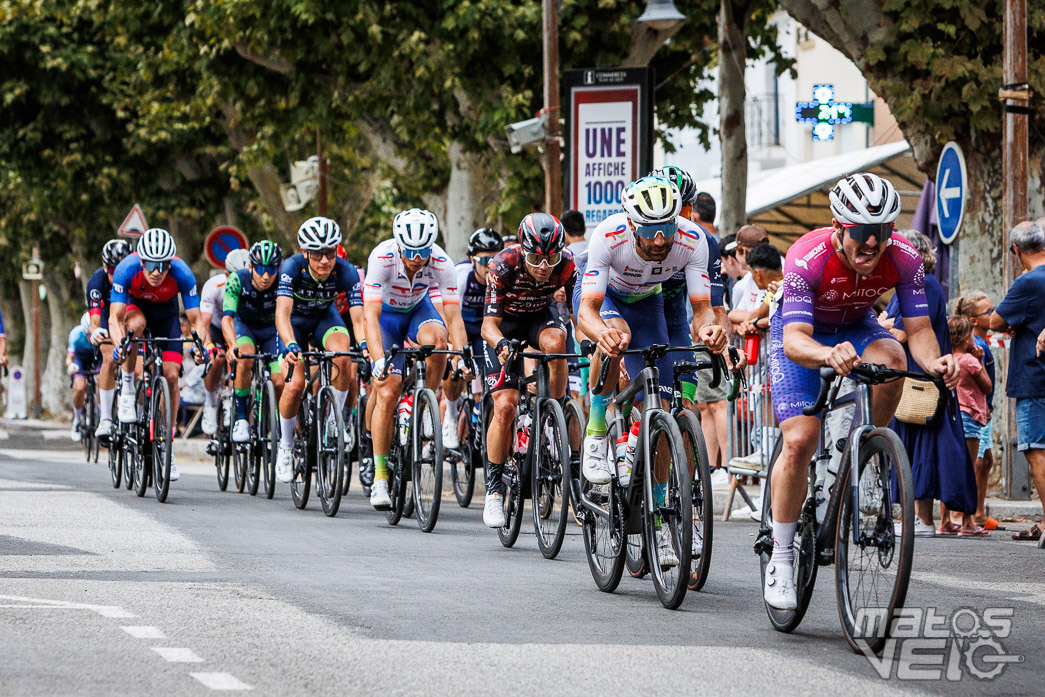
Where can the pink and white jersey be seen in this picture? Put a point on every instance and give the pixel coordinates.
(387, 282)
(614, 264)
(819, 289)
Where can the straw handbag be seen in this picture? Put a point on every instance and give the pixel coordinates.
(922, 403)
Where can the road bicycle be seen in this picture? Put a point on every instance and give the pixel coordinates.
(866, 528)
(258, 456)
(660, 510)
(355, 422)
(143, 448)
(220, 445)
(89, 421)
(468, 458)
(319, 438)
(538, 466)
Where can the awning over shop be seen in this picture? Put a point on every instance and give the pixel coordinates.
(790, 201)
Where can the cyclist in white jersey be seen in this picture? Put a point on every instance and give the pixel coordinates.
(397, 307)
(629, 256)
(212, 298)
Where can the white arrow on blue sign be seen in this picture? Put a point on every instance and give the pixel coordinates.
(951, 191)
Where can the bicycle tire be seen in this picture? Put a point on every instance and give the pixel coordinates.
(268, 437)
(508, 533)
(143, 453)
(129, 458)
(701, 496)
(671, 586)
(239, 467)
(88, 424)
(162, 440)
(575, 426)
(427, 460)
(462, 469)
(222, 451)
(550, 480)
(349, 420)
(883, 443)
(329, 451)
(604, 539)
(805, 557)
(304, 464)
(116, 456)
(397, 483)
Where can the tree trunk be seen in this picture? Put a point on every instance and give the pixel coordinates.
(54, 382)
(460, 219)
(732, 38)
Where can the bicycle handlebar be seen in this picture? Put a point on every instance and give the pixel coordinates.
(869, 373)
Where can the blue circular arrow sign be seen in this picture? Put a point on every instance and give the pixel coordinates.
(951, 191)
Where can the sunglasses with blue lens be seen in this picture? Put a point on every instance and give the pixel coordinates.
(417, 253)
(482, 261)
(156, 265)
(648, 232)
(266, 269)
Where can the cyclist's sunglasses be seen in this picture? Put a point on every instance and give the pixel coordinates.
(151, 266)
(862, 232)
(416, 253)
(648, 232)
(550, 260)
(317, 254)
(482, 261)
(266, 269)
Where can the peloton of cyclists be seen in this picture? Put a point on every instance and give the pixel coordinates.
(99, 290)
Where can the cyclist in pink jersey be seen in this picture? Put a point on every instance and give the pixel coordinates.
(832, 278)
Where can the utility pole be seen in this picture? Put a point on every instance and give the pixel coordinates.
(1015, 97)
(552, 148)
(36, 339)
(322, 175)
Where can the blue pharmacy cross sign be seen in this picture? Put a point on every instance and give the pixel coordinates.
(824, 112)
(951, 191)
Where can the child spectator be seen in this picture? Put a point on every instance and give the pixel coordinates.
(972, 398)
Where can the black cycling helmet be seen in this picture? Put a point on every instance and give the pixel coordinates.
(484, 240)
(266, 253)
(114, 251)
(682, 180)
(542, 233)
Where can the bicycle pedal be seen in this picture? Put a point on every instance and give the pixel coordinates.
(212, 448)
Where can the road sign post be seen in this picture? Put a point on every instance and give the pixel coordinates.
(951, 191)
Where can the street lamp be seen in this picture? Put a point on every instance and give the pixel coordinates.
(661, 15)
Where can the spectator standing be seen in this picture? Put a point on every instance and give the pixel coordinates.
(978, 308)
(1022, 314)
(731, 269)
(747, 297)
(573, 222)
(972, 390)
(939, 459)
(704, 209)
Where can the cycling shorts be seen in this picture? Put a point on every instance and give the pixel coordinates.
(259, 340)
(647, 323)
(526, 328)
(314, 330)
(217, 337)
(398, 327)
(161, 320)
(795, 387)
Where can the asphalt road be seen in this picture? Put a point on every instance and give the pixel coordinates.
(103, 593)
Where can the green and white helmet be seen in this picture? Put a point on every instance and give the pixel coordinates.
(265, 253)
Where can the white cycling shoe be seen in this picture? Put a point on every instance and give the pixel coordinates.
(241, 431)
(779, 589)
(175, 475)
(104, 429)
(285, 465)
(379, 497)
(595, 463)
(210, 420)
(493, 510)
(74, 432)
(666, 556)
(127, 408)
(450, 439)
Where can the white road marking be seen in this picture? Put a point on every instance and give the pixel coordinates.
(45, 604)
(221, 681)
(144, 632)
(177, 655)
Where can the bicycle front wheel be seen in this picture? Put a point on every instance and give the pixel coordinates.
(268, 437)
(550, 479)
(428, 459)
(603, 533)
(116, 456)
(221, 445)
(162, 440)
(330, 450)
(462, 469)
(874, 540)
(703, 509)
(668, 511)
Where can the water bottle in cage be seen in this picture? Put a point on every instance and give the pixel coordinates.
(406, 405)
(522, 443)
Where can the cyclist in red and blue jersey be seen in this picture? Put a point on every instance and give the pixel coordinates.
(99, 290)
(832, 278)
(145, 290)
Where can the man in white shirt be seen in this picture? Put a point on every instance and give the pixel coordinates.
(746, 295)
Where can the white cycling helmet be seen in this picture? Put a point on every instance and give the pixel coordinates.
(415, 229)
(85, 323)
(651, 201)
(156, 245)
(319, 233)
(236, 259)
(864, 198)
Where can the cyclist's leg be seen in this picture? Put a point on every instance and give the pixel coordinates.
(875, 344)
(134, 321)
(106, 379)
(549, 336)
(353, 385)
(505, 400)
(266, 340)
(384, 398)
(427, 327)
(611, 315)
(212, 380)
(332, 335)
(79, 397)
(165, 323)
(246, 344)
(290, 400)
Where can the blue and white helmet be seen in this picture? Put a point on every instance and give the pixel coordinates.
(85, 323)
(157, 245)
(415, 229)
(319, 233)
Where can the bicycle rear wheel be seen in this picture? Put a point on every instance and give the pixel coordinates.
(268, 437)
(304, 456)
(222, 449)
(462, 469)
(143, 452)
(703, 509)
(428, 460)
(116, 456)
(162, 440)
(550, 480)
(129, 457)
(805, 567)
(574, 417)
(89, 423)
(349, 417)
(330, 450)
(669, 519)
(872, 572)
(398, 486)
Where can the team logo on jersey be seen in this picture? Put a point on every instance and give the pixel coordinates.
(591, 274)
(686, 235)
(617, 234)
(96, 294)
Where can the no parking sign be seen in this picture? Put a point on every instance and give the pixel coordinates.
(220, 241)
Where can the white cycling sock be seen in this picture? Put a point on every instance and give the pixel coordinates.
(286, 432)
(128, 381)
(210, 399)
(77, 415)
(342, 397)
(453, 408)
(783, 541)
(105, 398)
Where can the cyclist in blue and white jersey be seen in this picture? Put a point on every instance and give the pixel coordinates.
(99, 289)
(80, 356)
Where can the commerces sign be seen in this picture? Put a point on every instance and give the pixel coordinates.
(609, 137)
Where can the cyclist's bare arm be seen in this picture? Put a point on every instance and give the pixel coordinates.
(355, 315)
(705, 326)
(117, 316)
(921, 340)
(372, 321)
(284, 306)
(491, 331)
(610, 340)
(228, 330)
(801, 348)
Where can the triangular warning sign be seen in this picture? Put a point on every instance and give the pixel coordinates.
(134, 224)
